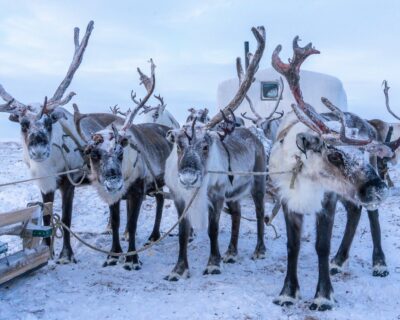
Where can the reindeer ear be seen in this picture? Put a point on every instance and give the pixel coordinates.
(13, 117)
(57, 115)
(307, 141)
(170, 136)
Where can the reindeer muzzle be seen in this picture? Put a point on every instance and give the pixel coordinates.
(373, 193)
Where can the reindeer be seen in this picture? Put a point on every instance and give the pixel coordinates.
(128, 160)
(196, 150)
(328, 163)
(383, 132)
(50, 142)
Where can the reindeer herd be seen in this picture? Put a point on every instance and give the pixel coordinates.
(307, 159)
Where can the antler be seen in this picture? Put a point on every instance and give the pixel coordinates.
(342, 118)
(258, 120)
(115, 110)
(160, 107)
(259, 34)
(240, 73)
(149, 84)
(291, 71)
(191, 138)
(386, 93)
(57, 99)
(228, 126)
(12, 106)
(7, 107)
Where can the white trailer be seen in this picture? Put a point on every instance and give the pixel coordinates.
(265, 90)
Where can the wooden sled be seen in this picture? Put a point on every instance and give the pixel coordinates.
(25, 223)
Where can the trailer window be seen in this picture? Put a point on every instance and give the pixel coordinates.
(269, 90)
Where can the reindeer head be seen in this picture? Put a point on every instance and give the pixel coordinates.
(37, 124)
(106, 153)
(343, 169)
(37, 128)
(332, 160)
(193, 144)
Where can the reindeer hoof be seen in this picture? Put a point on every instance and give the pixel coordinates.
(258, 255)
(175, 276)
(66, 257)
(322, 304)
(212, 269)
(380, 271)
(335, 268)
(125, 236)
(111, 261)
(230, 258)
(152, 238)
(132, 266)
(285, 301)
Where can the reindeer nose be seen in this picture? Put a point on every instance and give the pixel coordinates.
(374, 191)
(188, 177)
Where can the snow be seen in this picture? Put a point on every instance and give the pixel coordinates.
(244, 290)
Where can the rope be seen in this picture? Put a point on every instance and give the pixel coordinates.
(250, 173)
(267, 220)
(58, 224)
(42, 177)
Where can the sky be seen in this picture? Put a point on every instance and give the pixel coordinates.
(194, 45)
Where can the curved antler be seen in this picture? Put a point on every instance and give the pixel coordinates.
(149, 84)
(386, 93)
(57, 99)
(115, 110)
(291, 71)
(259, 34)
(342, 118)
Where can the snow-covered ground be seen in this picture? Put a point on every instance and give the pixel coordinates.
(244, 290)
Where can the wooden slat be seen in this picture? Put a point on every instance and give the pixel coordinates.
(22, 215)
(22, 262)
(16, 216)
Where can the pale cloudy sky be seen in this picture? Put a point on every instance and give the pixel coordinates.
(194, 45)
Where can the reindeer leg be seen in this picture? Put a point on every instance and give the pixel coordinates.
(258, 193)
(214, 213)
(323, 299)
(116, 246)
(231, 254)
(48, 197)
(181, 269)
(353, 218)
(135, 197)
(67, 195)
(378, 257)
(155, 234)
(290, 291)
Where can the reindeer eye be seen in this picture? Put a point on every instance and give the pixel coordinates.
(335, 158)
(95, 155)
(205, 148)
